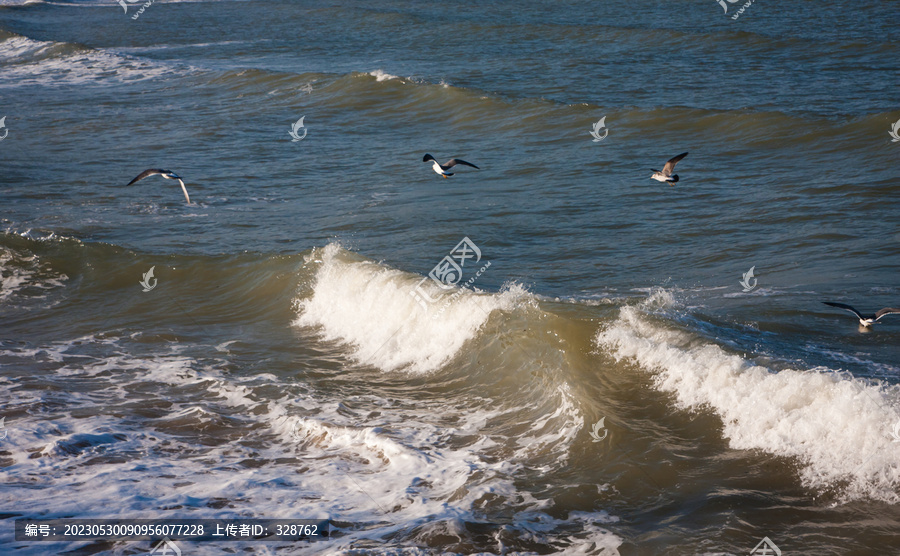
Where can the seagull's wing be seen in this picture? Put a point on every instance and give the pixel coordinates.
(147, 173)
(670, 165)
(846, 307)
(454, 161)
(886, 311)
(183, 188)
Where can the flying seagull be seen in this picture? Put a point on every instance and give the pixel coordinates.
(865, 320)
(666, 174)
(442, 168)
(168, 174)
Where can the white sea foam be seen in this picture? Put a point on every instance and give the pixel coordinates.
(765, 292)
(25, 273)
(381, 75)
(31, 62)
(13, 279)
(407, 475)
(370, 307)
(837, 426)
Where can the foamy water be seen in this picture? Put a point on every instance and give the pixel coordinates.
(406, 473)
(381, 75)
(46, 63)
(24, 276)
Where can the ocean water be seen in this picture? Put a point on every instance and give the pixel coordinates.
(294, 358)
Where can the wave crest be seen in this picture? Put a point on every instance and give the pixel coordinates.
(370, 307)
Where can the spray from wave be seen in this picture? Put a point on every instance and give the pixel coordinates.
(381, 75)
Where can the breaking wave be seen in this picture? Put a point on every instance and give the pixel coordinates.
(837, 426)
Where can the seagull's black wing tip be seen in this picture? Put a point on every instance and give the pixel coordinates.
(455, 161)
(845, 307)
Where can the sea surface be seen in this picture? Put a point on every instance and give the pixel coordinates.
(551, 354)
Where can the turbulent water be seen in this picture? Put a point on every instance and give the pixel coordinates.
(292, 357)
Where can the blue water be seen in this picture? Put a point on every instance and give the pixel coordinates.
(608, 294)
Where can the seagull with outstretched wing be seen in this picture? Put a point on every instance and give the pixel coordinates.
(168, 174)
(865, 320)
(441, 169)
(666, 175)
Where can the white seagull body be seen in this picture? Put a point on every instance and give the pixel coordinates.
(442, 168)
(865, 320)
(168, 174)
(666, 175)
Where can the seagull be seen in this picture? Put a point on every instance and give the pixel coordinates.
(666, 174)
(168, 174)
(442, 168)
(865, 320)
